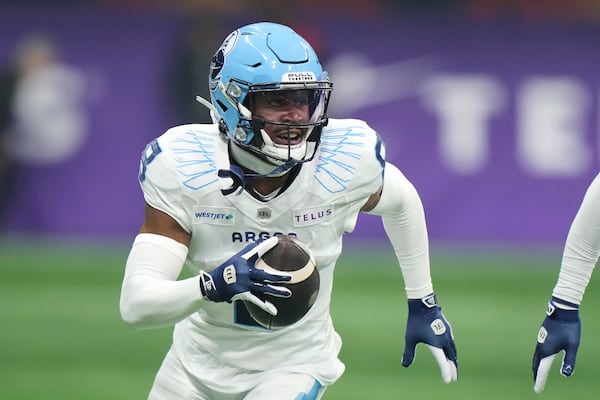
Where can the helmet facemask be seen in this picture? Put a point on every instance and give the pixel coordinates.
(295, 140)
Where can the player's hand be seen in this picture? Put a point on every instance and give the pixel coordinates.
(561, 330)
(238, 279)
(426, 324)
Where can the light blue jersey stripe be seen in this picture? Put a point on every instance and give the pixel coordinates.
(313, 393)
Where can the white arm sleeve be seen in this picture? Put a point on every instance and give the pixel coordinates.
(151, 295)
(404, 223)
(582, 248)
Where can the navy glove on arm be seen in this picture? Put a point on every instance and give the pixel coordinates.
(561, 330)
(426, 324)
(239, 279)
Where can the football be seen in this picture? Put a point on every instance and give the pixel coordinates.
(293, 257)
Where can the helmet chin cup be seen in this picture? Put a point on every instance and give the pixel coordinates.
(278, 154)
(248, 158)
(265, 159)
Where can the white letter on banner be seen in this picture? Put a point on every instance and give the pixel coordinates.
(551, 126)
(464, 104)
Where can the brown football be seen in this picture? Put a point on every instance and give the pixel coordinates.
(293, 257)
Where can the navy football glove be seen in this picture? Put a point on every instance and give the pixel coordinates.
(426, 324)
(561, 330)
(238, 279)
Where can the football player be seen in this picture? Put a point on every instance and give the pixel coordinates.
(561, 328)
(216, 197)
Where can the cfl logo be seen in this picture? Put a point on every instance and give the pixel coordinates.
(438, 327)
(229, 275)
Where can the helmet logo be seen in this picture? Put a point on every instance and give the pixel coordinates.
(299, 77)
(218, 60)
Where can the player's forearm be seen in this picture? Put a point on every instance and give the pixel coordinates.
(408, 236)
(582, 248)
(572, 282)
(404, 222)
(149, 302)
(151, 296)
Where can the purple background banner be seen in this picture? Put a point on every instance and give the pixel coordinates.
(495, 124)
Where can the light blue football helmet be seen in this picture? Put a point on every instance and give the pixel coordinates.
(272, 59)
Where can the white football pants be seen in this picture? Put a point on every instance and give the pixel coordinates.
(173, 383)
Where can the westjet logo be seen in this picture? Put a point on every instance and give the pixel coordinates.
(214, 216)
(211, 215)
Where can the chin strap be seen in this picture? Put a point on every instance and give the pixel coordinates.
(212, 110)
(236, 174)
(242, 180)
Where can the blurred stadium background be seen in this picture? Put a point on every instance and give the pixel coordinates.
(490, 107)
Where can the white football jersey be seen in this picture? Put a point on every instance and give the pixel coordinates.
(178, 176)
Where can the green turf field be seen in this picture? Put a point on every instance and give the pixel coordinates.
(62, 338)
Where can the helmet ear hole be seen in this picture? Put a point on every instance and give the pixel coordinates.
(222, 105)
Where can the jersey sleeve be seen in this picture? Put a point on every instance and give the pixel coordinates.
(351, 163)
(159, 181)
(369, 176)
